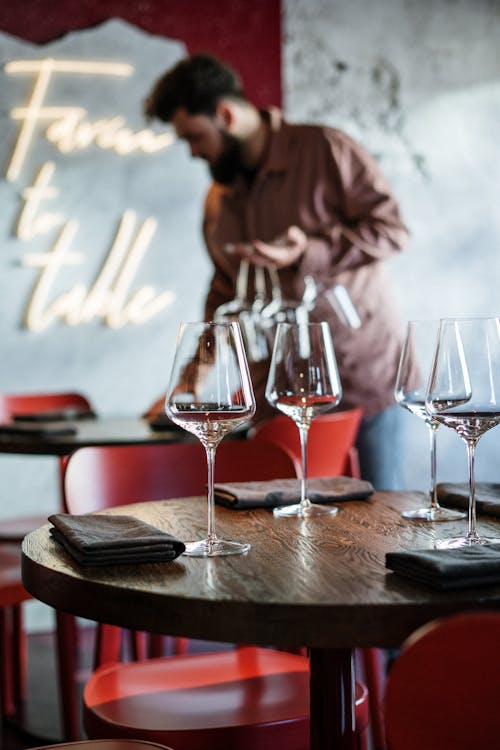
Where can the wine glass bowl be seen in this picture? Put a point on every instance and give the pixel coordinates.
(410, 389)
(464, 394)
(210, 394)
(303, 382)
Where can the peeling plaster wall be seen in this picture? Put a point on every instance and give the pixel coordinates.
(418, 84)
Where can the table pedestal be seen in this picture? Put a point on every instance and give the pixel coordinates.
(332, 699)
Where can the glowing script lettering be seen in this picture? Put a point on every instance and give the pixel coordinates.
(69, 130)
(29, 224)
(107, 298)
(73, 133)
(110, 297)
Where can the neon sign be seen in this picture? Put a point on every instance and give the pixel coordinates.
(69, 129)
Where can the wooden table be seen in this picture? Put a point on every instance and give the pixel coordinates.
(320, 583)
(89, 432)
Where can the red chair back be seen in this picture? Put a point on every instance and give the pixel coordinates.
(34, 403)
(442, 691)
(106, 476)
(330, 446)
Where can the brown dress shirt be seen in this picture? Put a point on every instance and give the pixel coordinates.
(321, 180)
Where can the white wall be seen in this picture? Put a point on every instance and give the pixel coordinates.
(418, 83)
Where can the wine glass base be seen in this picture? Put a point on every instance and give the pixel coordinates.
(305, 511)
(464, 541)
(434, 514)
(217, 548)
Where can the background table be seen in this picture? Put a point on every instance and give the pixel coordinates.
(89, 432)
(320, 583)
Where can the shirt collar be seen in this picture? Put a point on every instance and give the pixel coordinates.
(276, 160)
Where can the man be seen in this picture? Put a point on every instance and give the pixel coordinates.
(307, 200)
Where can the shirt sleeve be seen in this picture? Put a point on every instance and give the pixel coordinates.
(221, 285)
(366, 223)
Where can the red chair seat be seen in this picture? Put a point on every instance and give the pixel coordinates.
(237, 700)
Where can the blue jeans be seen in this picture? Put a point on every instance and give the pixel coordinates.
(380, 444)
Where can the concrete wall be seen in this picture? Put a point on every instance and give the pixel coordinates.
(418, 83)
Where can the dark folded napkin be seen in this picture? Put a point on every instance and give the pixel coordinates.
(457, 496)
(69, 413)
(161, 423)
(95, 539)
(37, 429)
(275, 492)
(443, 569)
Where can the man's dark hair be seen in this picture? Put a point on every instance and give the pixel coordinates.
(196, 84)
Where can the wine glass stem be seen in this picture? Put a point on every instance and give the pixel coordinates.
(211, 535)
(303, 431)
(471, 452)
(432, 445)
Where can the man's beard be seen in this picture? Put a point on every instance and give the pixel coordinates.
(228, 165)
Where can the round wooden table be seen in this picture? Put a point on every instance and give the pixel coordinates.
(320, 583)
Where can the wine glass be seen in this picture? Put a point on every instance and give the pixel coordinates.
(210, 393)
(411, 384)
(464, 394)
(303, 382)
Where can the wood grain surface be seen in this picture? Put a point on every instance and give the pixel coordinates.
(321, 582)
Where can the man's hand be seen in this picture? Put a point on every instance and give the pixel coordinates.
(281, 253)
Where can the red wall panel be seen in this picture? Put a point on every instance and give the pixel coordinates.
(244, 33)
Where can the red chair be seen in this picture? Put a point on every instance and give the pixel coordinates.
(331, 441)
(442, 690)
(12, 640)
(19, 405)
(242, 698)
(24, 404)
(98, 478)
(13, 530)
(247, 699)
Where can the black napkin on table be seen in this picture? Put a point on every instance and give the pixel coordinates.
(457, 496)
(444, 569)
(161, 422)
(275, 492)
(69, 413)
(94, 539)
(34, 429)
